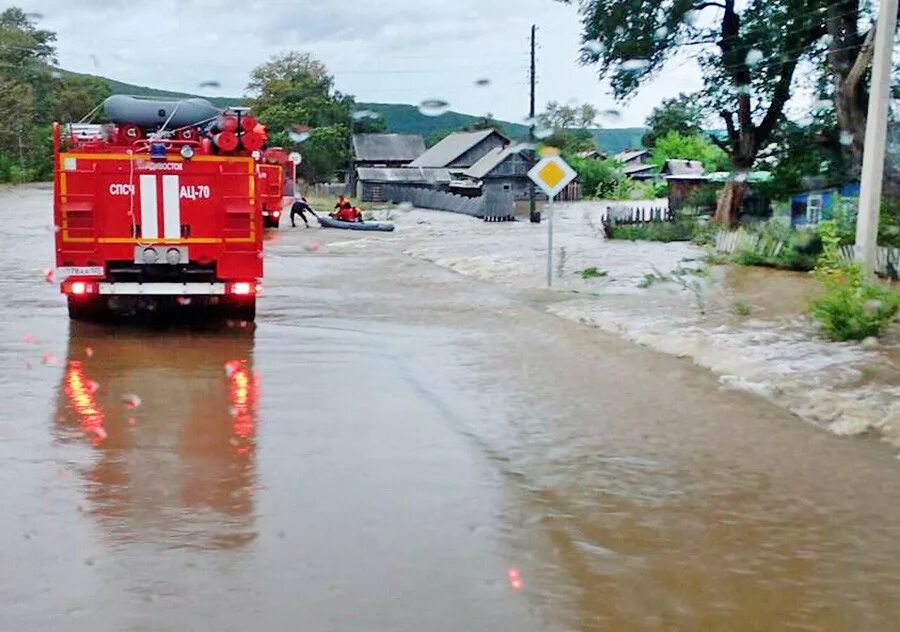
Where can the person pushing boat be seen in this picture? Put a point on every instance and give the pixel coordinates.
(301, 207)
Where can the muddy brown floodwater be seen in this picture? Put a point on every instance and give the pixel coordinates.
(396, 447)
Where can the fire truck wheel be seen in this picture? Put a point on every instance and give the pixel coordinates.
(244, 311)
(85, 309)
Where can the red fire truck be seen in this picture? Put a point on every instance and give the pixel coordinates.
(161, 209)
(279, 170)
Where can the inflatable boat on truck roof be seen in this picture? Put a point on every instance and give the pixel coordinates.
(161, 208)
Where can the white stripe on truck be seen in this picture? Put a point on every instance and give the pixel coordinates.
(171, 208)
(149, 220)
(161, 289)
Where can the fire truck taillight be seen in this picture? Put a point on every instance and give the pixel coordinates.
(276, 214)
(243, 288)
(80, 288)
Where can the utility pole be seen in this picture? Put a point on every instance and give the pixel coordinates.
(532, 207)
(876, 135)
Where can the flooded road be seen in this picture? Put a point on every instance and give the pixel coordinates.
(398, 447)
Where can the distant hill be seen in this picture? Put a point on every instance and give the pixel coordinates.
(406, 119)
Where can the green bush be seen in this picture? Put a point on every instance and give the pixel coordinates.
(851, 307)
(593, 273)
(653, 231)
(850, 312)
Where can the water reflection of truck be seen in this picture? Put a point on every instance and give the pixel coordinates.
(173, 435)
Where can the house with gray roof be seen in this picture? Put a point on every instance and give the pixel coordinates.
(371, 181)
(505, 169)
(384, 150)
(633, 157)
(461, 150)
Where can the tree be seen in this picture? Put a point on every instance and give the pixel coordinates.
(749, 53)
(804, 157)
(486, 122)
(674, 145)
(295, 89)
(26, 97)
(850, 39)
(76, 95)
(598, 177)
(681, 114)
(556, 116)
(568, 126)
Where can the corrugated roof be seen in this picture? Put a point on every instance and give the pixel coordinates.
(492, 160)
(591, 153)
(451, 147)
(631, 154)
(681, 168)
(387, 147)
(637, 169)
(415, 175)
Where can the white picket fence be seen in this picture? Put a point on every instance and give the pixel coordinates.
(887, 260)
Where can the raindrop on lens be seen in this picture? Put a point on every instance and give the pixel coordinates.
(611, 114)
(846, 138)
(95, 60)
(433, 107)
(361, 115)
(661, 32)
(754, 56)
(210, 83)
(634, 65)
(542, 132)
(132, 401)
(49, 275)
(593, 47)
(529, 121)
(298, 135)
(483, 82)
(405, 206)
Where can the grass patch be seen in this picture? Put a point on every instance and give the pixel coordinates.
(651, 231)
(593, 273)
(741, 308)
(652, 278)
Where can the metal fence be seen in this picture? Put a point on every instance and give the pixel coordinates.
(437, 200)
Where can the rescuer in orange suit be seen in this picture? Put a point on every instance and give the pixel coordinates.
(346, 212)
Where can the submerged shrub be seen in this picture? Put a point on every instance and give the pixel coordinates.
(851, 307)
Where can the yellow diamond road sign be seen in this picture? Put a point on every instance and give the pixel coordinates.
(552, 174)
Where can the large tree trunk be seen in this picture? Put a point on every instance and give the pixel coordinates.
(728, 210)
(849, 57)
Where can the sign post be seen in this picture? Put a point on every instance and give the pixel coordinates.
(552, 174)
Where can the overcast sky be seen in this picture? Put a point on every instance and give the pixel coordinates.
(394, 51)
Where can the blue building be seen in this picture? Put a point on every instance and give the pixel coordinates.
(810, 207)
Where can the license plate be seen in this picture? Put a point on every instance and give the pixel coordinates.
(68, 271)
